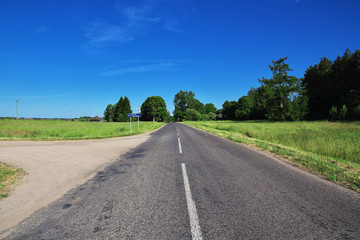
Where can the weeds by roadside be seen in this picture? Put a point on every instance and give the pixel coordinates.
(8, 176)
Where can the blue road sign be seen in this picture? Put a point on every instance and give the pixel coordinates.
(134, 115)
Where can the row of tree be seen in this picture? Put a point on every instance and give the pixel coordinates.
(187, 107)
(329, 90)
(118, 111)
(153, 109)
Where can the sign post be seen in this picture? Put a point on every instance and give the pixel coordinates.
(130, 115)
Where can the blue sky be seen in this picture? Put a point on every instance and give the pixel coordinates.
(80, 55)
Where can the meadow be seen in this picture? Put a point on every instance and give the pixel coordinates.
(51, 130)
(69, 130)
(330, 149)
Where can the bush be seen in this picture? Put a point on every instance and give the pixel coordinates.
(333, 114)
(357, 112)
(192, 115)
(343, 112)
(212, 116)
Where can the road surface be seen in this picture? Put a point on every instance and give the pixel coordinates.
(184, 183)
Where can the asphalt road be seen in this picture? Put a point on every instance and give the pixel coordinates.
(187, 184)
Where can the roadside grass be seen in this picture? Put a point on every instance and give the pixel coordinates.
(329, 149)
(37, 130)
(8, 176)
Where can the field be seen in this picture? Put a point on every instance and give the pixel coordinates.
(51, 130)
(330, 149)
(69, 130)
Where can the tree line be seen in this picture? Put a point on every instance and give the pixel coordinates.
(328, 90)
(118, 112)
(153, 109)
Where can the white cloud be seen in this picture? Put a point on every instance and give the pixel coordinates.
(103, 33)
(162, 66)
(136, 21)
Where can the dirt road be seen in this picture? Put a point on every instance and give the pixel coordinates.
(54, 168)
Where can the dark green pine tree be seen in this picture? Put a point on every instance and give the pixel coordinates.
(281, 91)
(118, 110)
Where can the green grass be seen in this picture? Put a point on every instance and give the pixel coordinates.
(8, 176)
(69, 130)
(59, 130)
(330, 149)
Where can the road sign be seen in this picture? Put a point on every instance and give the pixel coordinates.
(134, 115)
(138, 115)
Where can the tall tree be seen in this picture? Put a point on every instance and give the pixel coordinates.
(229, 108)
(184, 100)
(107, 113)
(210, 108)
(330, 85)
(282, 90)
(122, 109)
(154, 109)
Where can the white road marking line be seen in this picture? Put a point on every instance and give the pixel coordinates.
(194, 220)
(180, 150)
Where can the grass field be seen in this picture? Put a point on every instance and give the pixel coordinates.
(68, 130)
(50, 130)
(331, 149)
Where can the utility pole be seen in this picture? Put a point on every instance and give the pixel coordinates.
(138, 111)
(17, 109)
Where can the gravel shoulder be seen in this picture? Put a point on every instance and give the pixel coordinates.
(53, 168)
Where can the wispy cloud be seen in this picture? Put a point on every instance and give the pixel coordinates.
(42, 29)
(149, 65)
(163, 66)
(135, 21)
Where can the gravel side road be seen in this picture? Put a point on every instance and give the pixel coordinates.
(54, 168)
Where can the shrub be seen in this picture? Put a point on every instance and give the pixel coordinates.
(357, 112)
(333, 114)
(192, 115)
(343, 112)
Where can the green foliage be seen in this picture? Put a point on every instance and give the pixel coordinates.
(118, 112)
(357, 113)
(212, 116)
(333, 113)
(210, 108)
(343, 112)
(184, 100)
(333, 84)
(192, 115)
(229, 108)
(107, 113)
(8, 175)
(154, 109)
(282, 90)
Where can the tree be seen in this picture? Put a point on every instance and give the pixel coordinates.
(108, 113)
(184, 100)
(334, 83)
(282, 89)
(154, 109)
(192, 114)
(121, 110)
(229, 109)
(243, 108)
(210, 108)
